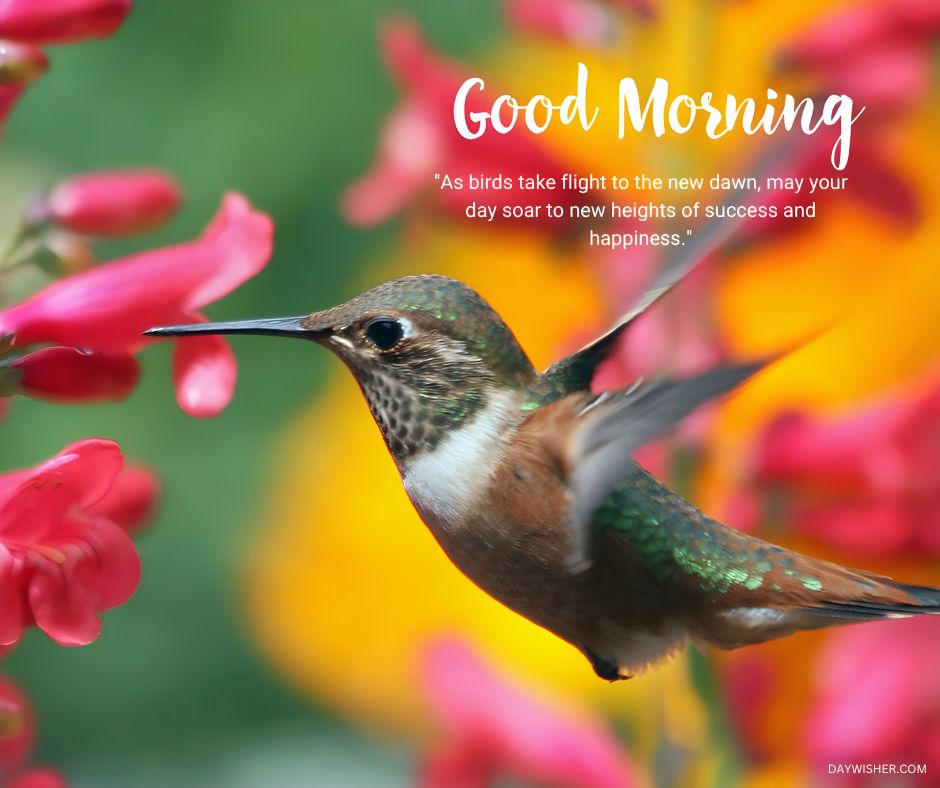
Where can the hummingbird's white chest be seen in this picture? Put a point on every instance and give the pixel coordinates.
(446, 484)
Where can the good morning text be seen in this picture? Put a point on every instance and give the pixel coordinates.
(661, 109)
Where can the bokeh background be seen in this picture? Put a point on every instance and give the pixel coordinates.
(288, 589)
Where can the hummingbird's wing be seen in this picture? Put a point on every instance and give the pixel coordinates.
(575, 372)
(613, 425)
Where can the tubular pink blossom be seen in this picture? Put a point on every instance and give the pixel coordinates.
(495, 729)
(60, 564)
(114, 203)
(105, 309)
(204, 371)
(61, 21)
(64, 374)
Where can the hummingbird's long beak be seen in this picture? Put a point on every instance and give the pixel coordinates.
(275, 326)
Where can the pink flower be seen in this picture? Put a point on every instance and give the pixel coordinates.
(877, 695)
(864, 482)
(105, 309)
(64, 374)
(119, 202)
(131, 501)
(17, 739)
(582, 22)
(61, 563)
(60, 21)
(419, 140)
(494, 730)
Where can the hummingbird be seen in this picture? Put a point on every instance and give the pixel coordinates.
(527, 482)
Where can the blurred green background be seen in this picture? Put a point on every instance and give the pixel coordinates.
(281, 100)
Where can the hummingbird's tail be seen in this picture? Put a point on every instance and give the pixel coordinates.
(813, 594)
(924, 599)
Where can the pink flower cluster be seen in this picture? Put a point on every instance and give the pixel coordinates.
(66, 553)
(94, 319)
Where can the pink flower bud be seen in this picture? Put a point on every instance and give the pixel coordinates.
(114, 203)
(60, 21)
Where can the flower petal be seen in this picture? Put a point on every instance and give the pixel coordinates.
(77, 476)
(101, 573)
(131, 501)
(64, 374)
(61, 21)
(204, 371)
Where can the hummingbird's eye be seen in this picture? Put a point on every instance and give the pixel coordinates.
(384, 332)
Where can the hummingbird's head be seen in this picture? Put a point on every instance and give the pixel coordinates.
(427, 352)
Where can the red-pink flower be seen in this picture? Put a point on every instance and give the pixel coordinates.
(17, 739)
(420, 140)
(60, 21)
(64, 374)
(105, 309)
(865, 482)
(131, 501)
(877, 695)
(113, 203)
(495, 730)
(61, 563)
